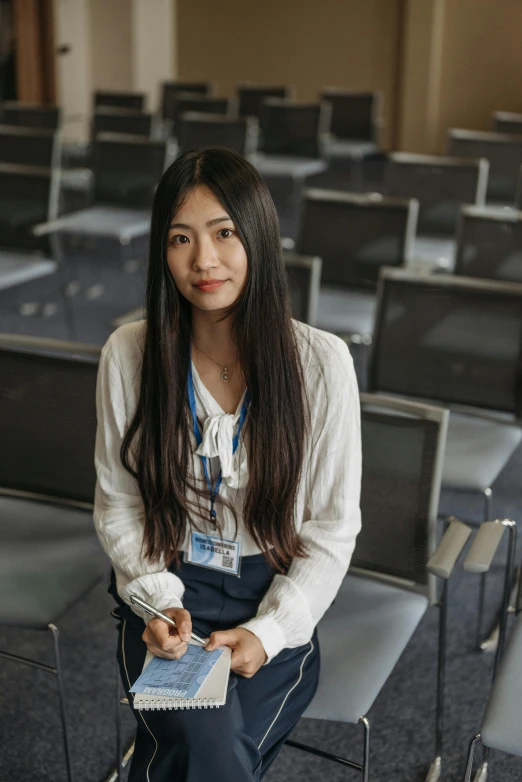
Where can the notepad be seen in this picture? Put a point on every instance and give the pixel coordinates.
(199, 680)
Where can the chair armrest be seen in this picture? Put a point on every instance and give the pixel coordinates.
(443, 559)
(484, 547)
(42, 229)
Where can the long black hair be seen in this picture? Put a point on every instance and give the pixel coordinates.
(157, 448)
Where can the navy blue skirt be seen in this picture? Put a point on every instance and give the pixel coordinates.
(238, 741)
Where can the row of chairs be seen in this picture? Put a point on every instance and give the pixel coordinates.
(47, 494)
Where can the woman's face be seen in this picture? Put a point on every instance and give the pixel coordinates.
(204, 252)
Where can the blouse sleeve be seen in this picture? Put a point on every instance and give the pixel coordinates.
(118, 509)
(295, 602)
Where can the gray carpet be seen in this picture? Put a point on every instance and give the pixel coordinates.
(402, 717)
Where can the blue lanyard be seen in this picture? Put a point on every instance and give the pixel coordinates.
(213, 489)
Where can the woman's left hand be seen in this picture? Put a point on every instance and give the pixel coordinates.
(248, 653)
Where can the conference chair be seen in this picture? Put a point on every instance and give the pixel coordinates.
(456, 341)
(501, 722)
(507, 122)
(293, 142)
(441, 185)
(489, 244)
(29, 146)
(304, 278)
(119, 100)
(518, 198)
(203, 104)
(355, 121)
(121, 120)
(28, 115)
(170, 90)
(391, 583)
(251, 97)
(204, 130)
(49, 552)
(504, 153)
(354, 236)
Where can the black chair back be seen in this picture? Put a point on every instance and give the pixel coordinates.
(48, 418)
(440, 184)
(355, 115)
(120, 100)
(451, 339)
(203, 130)
(170, 89)
(355, 235)
(112, 120)
(127, 169)
(504, 153)
(203, 104)
(304, 280)
(28, 116)
(294, 129)
(251, 97)
(489, 244)
(507, 122)
(28, 196)
(29, 146)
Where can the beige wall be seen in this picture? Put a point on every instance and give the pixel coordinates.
(111, 37)
(305, 43)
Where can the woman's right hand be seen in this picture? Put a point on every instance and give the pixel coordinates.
(166, 641)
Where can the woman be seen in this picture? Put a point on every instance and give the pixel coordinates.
(218, 353)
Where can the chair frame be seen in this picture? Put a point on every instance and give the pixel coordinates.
(290, 94)
(251, 123)
(499, 117)
(377, 106)
(490, 214)
(16, 343)
(314, 265)
(323, 129)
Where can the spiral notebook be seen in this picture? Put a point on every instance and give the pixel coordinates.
(199, 680)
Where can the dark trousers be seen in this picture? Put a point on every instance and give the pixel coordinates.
(235, 742)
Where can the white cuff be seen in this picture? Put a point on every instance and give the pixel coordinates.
(269, 633)
(161, 590)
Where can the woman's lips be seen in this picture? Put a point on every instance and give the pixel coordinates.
(208, 287)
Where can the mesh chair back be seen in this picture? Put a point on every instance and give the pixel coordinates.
(355, 235)
(203, 130)
(304, 279)
(47, 418)
(27, 116)
(441, 186)
(112, 120)
(489, 244)
(294, 129)
(127, 169)
(506, 122)
(354, 114)
(402, 447)
(251, 97)
(26, 198)
(451, 339)
(503, 152)
(120, 100)
(170, 89)
(202, 104)
(29, 146)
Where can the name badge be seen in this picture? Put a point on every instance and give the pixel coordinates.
(214, 553)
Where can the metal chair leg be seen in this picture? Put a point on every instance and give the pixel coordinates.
(366, 759)
(119, 741)
(471, 753)
(435, 769)
(56, 640)
(488, 494)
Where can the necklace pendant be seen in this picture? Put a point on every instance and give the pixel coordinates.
(225, 377)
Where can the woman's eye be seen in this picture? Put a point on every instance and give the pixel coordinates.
(179, 239)
(225, 233)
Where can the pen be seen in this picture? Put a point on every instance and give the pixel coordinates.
(159, 615)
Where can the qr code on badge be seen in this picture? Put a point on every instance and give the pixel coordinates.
(227, 562)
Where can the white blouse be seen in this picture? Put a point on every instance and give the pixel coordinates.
(327, 514)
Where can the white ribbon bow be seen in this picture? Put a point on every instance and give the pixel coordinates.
(218, 434)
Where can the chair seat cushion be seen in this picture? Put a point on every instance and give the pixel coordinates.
(283, 165)
(361, 637)
(434, 253)
(108, 221)
(50, 557)
(477, 450)
(501, 728)
(17, 268)
(345, 311)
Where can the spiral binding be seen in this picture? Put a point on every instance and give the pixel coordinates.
(167, 704)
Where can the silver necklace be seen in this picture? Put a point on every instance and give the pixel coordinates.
(225, 375)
